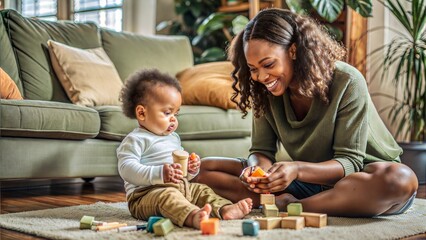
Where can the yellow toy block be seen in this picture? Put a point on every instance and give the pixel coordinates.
(293, 223)
(270, 210)
(210, 226)
(267, 199)
(316, 220)
(269, 223)
(258, 173)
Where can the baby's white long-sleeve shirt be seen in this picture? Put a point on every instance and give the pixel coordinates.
(141, 157)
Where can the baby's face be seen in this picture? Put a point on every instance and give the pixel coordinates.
(160, 113)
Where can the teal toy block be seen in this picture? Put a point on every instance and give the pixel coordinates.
(151, 221)
(294, 209)
(250, 227)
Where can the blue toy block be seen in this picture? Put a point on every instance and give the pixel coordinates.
(250, 227)
(151, 221)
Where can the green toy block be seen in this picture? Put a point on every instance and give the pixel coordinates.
(294, 209)
(86, 222)
(163, 227)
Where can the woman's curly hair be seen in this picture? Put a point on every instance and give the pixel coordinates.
(313, 68)
(139, 87)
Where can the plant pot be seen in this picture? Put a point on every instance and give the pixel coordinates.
(414, 156)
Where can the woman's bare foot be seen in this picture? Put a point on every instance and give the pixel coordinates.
(200, 215)
(283, 200)
(237, 210)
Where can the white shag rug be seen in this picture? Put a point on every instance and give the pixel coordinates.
(63, 223)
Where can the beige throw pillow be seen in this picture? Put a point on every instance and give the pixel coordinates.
(208, 84)
(87, 75)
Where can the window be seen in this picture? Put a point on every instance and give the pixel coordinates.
(106, 13)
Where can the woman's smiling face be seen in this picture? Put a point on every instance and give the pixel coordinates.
(270, 64)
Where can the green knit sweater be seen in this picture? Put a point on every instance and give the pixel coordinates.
(348, 130)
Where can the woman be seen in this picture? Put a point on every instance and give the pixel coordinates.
(346, 163)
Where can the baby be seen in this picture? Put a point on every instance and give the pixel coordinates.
(154, 184)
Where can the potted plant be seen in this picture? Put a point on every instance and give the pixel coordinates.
(404, 65)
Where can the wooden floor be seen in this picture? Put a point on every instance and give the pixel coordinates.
(19, 196)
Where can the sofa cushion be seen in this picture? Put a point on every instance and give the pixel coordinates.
(46, 119)
(195, 123)
(7, 57)
(87, 75)
(208, 84)
(131, 52)
(29, 41)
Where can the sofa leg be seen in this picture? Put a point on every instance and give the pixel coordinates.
(88, 179)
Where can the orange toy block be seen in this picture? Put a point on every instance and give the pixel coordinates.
(193, 156)
(210, 226)
(314, 219)
(258, 173)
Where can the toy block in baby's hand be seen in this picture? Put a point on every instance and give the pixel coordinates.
(162, 227)
(267, 199)
(192, 156)
(294, 209)
(293, 223)
(209, 226)
(250, 227)
(270, 210)
(269, 223)
(316, 220)
(258, 173)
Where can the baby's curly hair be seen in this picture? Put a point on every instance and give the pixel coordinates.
(316, 53)
(139, 87)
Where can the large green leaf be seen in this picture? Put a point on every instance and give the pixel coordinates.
(363, 7)
(212, 55)
(328, 9)
(239, 23)
(299, 6)
(214, 22)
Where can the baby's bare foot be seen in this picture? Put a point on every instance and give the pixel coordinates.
(237, 210)
(201, 215)
(283, 200)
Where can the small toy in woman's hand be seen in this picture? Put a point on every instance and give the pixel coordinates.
(258, 173)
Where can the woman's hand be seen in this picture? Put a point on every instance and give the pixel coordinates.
(246, 178)
(278, 178)
(193, 163)
(172, 173)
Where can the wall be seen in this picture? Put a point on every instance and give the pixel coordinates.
(379, 35)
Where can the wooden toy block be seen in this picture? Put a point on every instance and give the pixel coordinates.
(258, 173)
(283, 214)
(151, 221)
(109, 227)
(86, 222)
(163, 227)
(269, 223)
(294, 209)
(210, 226)
(314, 219)
(293, 223)
(250, 227)
(267, 199)
(270, 210)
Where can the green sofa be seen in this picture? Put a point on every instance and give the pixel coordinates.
(46, 136)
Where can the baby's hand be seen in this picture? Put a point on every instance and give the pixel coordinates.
(172, 173)
(193, 163)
